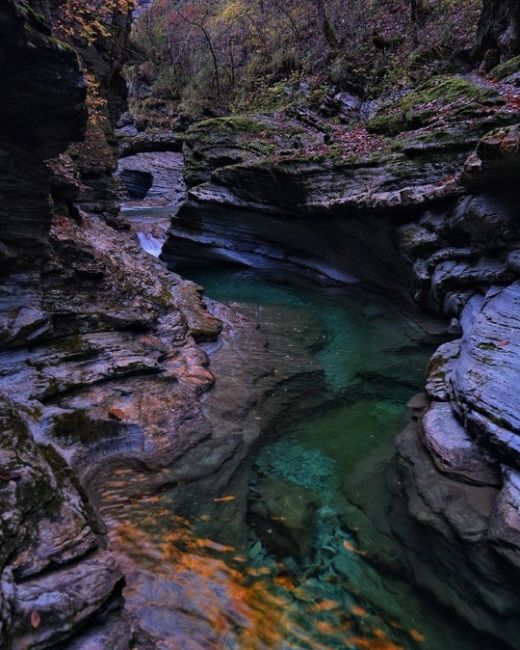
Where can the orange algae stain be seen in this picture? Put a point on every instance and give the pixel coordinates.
(417, 636)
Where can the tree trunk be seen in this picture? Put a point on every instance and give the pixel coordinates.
(323, 19)
(413, 11)
(499, 30)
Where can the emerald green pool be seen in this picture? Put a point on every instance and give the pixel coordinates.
(301, 580)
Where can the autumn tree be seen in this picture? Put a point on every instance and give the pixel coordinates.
(197, 16)
(88, 19)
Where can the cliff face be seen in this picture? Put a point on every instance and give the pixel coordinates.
(80, 307)
(46, 523)
(42, 111)
(499, 30)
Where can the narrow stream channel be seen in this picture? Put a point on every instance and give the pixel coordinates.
(297, 578)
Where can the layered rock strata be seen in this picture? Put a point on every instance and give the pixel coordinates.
(98, 352)
(432, 216)
(104, 354)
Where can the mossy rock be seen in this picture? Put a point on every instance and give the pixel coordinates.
(235, 123)
(505, 69)
(420, 107)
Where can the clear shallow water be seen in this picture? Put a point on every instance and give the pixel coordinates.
(300, 580)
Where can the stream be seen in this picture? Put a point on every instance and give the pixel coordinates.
(296, 577)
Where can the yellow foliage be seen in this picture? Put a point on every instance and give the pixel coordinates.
(90, 19)
(233, 10)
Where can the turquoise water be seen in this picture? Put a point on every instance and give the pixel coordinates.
(374, 357)
(299, 578)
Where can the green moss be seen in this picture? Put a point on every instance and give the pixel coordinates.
(505, 69)
(419, 107)
(263, 147)
(446, 89)
(235, 123)
(487, 346)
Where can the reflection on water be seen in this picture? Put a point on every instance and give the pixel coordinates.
(300, 581)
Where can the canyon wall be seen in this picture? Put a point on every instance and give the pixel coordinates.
(82, 308)
(431, 215)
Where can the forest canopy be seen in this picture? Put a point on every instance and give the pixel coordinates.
(240, 54)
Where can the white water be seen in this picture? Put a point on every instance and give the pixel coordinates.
(150, 244)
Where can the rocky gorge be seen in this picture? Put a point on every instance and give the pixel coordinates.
(431, 217)
(121, 383)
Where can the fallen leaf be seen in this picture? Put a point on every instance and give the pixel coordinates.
(326, 605)
(116, 413)
(359, 611)
(36, 619)
(417, 636)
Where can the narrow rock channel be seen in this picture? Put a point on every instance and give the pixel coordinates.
(264, 549)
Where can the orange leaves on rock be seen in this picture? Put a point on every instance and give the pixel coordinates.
(36, 619)
(350, 144)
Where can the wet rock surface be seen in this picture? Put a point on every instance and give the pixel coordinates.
(111, 363)
(83, 311)
(435, 219)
